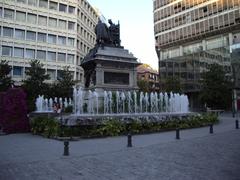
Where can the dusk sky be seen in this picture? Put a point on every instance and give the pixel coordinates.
(136, 21)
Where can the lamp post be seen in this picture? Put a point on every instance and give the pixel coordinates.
(235, 64)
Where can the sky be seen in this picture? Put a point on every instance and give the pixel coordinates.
(136, 26)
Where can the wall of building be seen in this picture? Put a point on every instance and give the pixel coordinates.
(193, 34)
(59, 33)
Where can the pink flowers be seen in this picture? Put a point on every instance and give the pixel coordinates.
(13, 111)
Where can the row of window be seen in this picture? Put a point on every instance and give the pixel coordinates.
(44, 21)
(186, 4)
(62, 8)
(51, 5)
(188, 18)
(33, 36)
(37, 54)
(208, 25)
(18, 71)
(36, 19)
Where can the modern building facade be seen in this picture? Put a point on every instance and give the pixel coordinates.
(59, 33)
(192, 34)
(148, 74)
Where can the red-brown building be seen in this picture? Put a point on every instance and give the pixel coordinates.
(148, 74)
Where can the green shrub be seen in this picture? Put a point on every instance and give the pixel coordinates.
(68, 109)
(46, 126)
(111, 128)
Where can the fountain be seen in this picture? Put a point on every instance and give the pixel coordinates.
(45, 105)
(126, 102)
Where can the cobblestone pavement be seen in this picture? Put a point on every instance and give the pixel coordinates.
(153, 157)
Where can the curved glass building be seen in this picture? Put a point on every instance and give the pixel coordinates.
(192, 34)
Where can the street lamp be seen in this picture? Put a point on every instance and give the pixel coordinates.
(235, 64)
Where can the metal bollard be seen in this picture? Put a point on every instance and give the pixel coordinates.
(237, 124)
(211, 129)
(177, 133)
(66, 148)
(129, 137)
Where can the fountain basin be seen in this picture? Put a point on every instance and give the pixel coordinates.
(91, 119)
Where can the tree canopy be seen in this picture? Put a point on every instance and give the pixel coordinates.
(5, 78)
(63, 87)
(143, 85)
(34, 85)
(173, 84)
(216, 89)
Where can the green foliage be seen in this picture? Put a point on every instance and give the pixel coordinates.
(216, 89)
(64, 84)
(34, 84)
(5, 78)
(143, 85)
(110, 128)
(48, 127)
(68, 109)
(173, 84)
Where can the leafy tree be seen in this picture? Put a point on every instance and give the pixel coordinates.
(173, 84)
(34, 85)
(216, 89)
(143, 85)
(63, 87)
(5, 79)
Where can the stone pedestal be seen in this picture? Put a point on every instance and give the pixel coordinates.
(110, 69)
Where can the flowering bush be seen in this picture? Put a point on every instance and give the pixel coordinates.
(13, 110)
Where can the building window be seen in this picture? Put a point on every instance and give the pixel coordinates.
(31, 36)
(71, 9)
(30, 54)
(17, 71)
(42, 37)
(61, 57)
(52, 22)
(32, 18)
(7, 32)
(43, 3)
(71, 25)
(18, 52)
(8, 14)
(52, 74)
(6, 51)
(19, 34)
(21, 16)
(62, 8)
(1, 11)
(53, 5)
(42, 20)
(32, 2)
(70, 58)
(41, 55)
(51, 56)
(62, 24)
(52, 39)
(61, 40)
(21, 1)
(71, 42)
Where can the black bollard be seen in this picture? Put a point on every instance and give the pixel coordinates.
(237, 124)
(211, 129)
(129, 137)
(177, 133)
(66, 148)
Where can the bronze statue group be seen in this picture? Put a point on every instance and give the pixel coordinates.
(109, 36)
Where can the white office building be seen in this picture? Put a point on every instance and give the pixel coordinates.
(59, 33)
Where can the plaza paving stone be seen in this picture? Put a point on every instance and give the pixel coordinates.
(198, 155)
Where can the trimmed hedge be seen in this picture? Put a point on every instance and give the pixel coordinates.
(49, 127)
